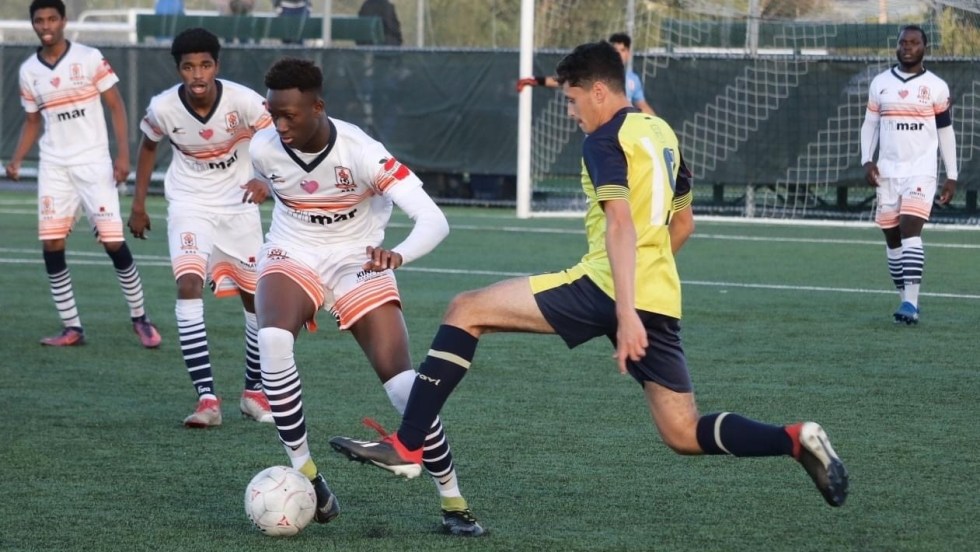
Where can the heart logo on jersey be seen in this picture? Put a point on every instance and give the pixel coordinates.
(903, 93)
(55, 82)
(206, 133)
(309, 186)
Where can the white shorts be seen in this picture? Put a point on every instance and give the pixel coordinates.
(334, 279)
(63, 191)
(898, 197)
(219, 248)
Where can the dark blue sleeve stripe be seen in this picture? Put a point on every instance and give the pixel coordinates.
(944, 119)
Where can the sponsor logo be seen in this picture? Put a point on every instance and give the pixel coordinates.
(206, 133)
(69, 115)
(433, 381)
(277, 254)
(345, 181)
(105, 63)
(188, 241)
(327, 219)
(367, 275)
(309, 186)
(906, 125)
(177, 130)
(275, 178)
(391, 172)
(903, 93)
(227, 163)
(882, 91)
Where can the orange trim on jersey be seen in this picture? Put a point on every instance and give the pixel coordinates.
(264, 121)
(299, 273)
(189, 264)
(244, 280)
(70, 99)
(342, 202)
(109, 231)
(220, 149)
(365, 298)
(55, 229)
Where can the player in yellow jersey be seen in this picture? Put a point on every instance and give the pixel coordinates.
(625, 288)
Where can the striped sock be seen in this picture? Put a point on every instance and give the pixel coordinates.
(253, 370)
(895, 270)
(129, 280)
(913, 264)
(282, 385)
(194, 345)
(59, 280)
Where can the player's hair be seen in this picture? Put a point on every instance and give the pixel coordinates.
(621, 38)
(925, 37)
(42, 4)
(195, 41)
(297, 73)
(590, 63)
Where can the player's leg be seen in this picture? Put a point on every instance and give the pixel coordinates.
(667, 385)
(100, 197)
(58, 204)
(382, 335)
(888, 204)
(916, 205)
(237, 241)
(509, 305)
(287, 296)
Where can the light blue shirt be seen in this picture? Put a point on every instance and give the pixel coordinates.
(634, 88)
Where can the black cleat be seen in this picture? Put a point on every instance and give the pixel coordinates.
(812, 449)
(327, 505)
(461, 523)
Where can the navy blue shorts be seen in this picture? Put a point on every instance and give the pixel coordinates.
(579, 311)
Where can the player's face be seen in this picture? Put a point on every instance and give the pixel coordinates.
(911, 48)
(581, 107)
(198, 71)
(49, 26)
(624, 52)
(298, 117)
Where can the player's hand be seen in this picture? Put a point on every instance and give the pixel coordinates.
(120, 169)
(949, 190)
(526, 81)
(13, 170)
(631, 340)
(256, 191)
(139, 223)
(382, 259)
(871, 173)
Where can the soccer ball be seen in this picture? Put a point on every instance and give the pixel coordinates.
(280, 501)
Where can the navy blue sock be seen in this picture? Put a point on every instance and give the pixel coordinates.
(443, 368)
(54, 261)
(727, 433)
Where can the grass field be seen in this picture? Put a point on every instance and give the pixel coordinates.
(554, 449)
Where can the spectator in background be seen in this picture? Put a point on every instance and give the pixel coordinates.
(234, 7)
(169, 7)
(299, 8)
(389, 20)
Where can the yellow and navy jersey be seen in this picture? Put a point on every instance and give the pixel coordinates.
(636, 157)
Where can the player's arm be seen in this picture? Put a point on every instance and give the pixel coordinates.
(117, 108)
(631, 336)
(869, 141)
(28, 136)
(947, 149)
(430, 228)
(537, 80)
(139, 220)
(681, 227)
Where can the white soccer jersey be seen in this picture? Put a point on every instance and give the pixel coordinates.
(338, 197)
(907, 108)
(69, 96)
(210, 154)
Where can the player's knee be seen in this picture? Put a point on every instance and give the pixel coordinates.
(462, 309)
(275, 349)
(190, 286)
(682, 445)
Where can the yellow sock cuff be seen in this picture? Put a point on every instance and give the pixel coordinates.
(454, 503)
(309, 469)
